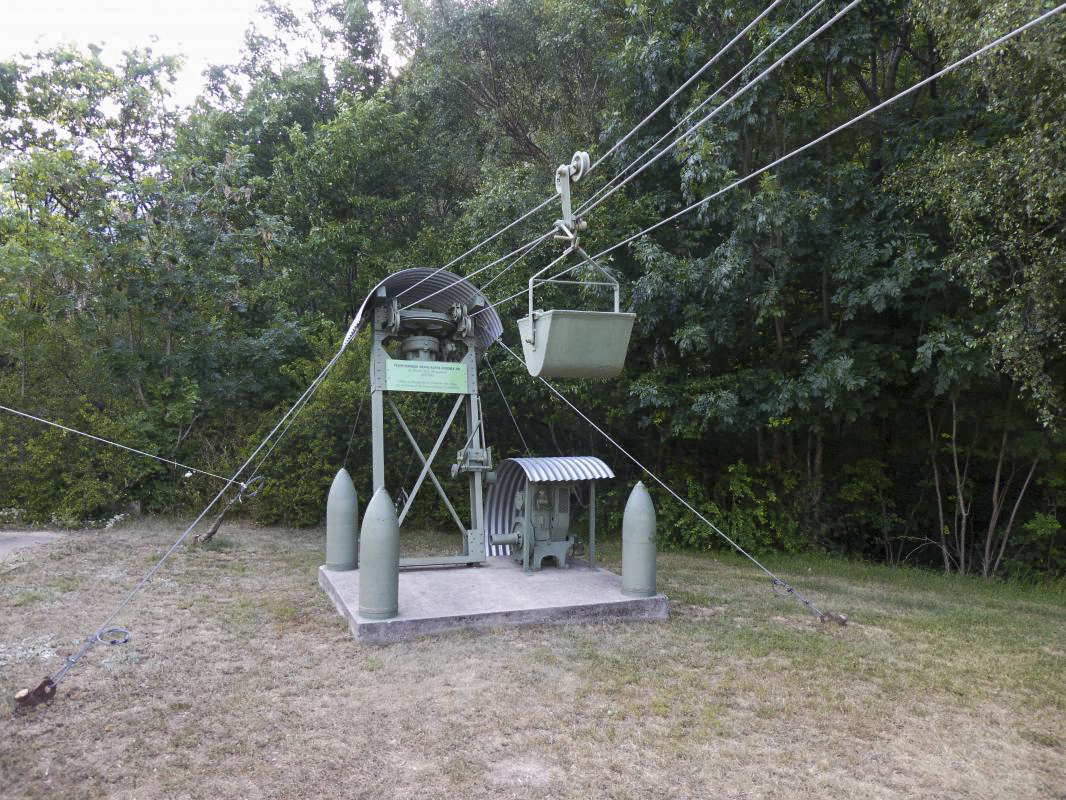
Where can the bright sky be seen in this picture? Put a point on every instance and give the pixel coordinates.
(204, 31)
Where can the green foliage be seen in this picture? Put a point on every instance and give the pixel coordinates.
(861, 351)
(55, 475)
(750, 506)
(311, 450)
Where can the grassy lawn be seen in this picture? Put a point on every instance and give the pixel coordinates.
(242, 682)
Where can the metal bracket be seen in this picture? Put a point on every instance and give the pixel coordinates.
(577, 167)
(252, 488)
(568, 229)
(472, 459)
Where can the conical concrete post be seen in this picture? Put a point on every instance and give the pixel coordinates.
(379, 559)
(638, 544)
(342, 523)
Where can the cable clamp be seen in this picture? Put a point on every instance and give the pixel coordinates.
(255, 484)
(782, 589)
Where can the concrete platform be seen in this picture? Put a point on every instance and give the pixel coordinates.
(435, 600)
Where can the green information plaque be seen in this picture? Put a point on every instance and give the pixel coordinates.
(425, 376)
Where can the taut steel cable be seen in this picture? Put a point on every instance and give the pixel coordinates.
(115, 444)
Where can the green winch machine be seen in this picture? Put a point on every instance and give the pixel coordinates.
(527, 508)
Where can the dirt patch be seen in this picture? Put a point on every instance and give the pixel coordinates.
(521, 772)
(12, 542)
(242, 682)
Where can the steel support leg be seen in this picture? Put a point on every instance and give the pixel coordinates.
(377, 428)
(592, 524)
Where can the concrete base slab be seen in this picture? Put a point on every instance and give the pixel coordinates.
(435, 600)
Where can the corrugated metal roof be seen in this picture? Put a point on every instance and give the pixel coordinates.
(438, 291)
(562, 468)
(512, 473)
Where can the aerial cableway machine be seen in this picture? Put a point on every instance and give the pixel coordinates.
(429, 330)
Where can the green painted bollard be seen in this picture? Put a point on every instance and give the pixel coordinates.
(638, 544)
(379, 559)
(342, 523)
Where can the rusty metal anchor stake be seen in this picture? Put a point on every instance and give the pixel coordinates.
(45, 691)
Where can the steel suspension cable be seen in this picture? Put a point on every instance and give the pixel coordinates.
(524, 292)
(778, 584)
(727, 102)
(302, 405)
(105, 627)
(514, 263)
(482, 243)
(776, 581)
(520, 254)
(115, 444)
(703, 103)
(710, 63)
(255, 478)
(351, 436)
(592, 202)
(843, 126)
(547, 201)
(525, 445)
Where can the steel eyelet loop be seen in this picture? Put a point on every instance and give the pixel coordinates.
(113, 636)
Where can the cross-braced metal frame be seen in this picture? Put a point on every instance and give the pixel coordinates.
(474, 459)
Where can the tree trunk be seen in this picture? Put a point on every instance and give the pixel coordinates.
(22, 367)
(939, 493)
(998, 498)
(818, 485)
(962, 510)
(1013, 513)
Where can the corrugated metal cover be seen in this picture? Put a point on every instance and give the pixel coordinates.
(437, 291)
(562, 468)
(512, 473)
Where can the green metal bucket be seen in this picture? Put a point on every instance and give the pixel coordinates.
(575, 344)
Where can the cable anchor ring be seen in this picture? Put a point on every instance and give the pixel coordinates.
(113, 636)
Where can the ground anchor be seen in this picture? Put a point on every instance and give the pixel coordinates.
(45, 691)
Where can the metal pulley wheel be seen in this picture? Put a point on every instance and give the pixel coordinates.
(579, 165)
(427, 323)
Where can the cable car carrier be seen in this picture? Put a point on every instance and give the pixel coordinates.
(567, 343)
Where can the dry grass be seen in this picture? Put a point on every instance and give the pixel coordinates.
(242, 682)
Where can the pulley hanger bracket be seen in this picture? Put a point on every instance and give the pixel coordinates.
(568, 227)
(568, 230)
(574, 343)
